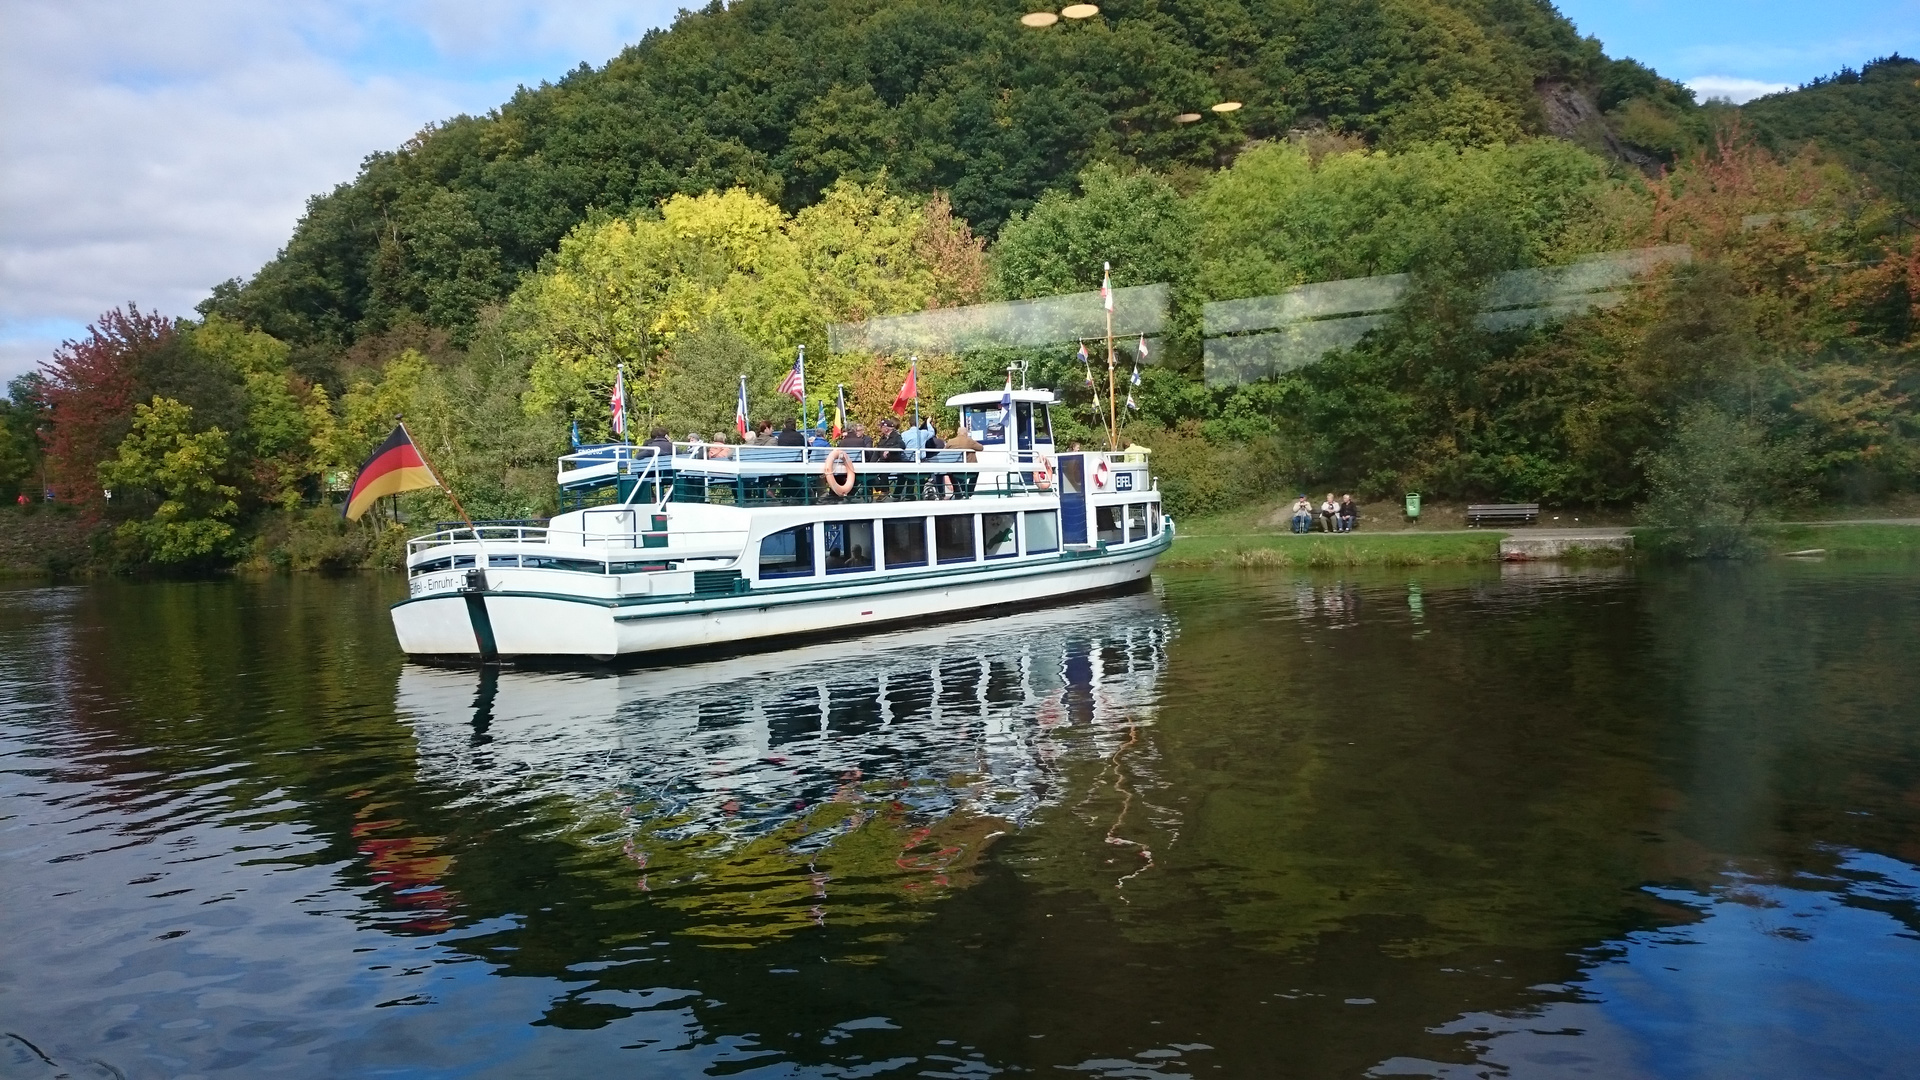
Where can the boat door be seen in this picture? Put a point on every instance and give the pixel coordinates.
(1073, 499)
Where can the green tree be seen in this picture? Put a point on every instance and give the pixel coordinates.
(164, 456)
(1718, 475)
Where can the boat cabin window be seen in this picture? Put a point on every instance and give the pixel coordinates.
(986, 423)
(1043, 424)
(548, 562)
(998, 530)
(787, 553)
(1043, 531)
(906, 540)
(432, 566)
(1153, 519)
(1107, 524)
(953, 538)
(850, 546)
(1136, 521)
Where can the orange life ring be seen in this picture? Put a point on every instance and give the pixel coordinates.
(839, 483)
(1042, 472)
(1102, 475)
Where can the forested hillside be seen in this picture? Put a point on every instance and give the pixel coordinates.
(1869, 119)
(724, 190)
(783, 97)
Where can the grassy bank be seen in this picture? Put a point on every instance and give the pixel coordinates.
(1253, 550)
(1842, 540)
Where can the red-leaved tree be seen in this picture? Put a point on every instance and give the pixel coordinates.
(90, 388)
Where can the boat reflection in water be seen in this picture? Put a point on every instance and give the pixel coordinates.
(847, 781)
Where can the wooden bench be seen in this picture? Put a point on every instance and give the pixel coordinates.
(1503, 513)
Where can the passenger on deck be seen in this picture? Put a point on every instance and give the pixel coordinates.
(960, 448)
(789, 436)
(659, 441)
(914, 439)
(718, 448)
(889, 444)
(856, 440)
(963, 442)
(817, 437)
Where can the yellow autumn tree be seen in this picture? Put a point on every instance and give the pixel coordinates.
(630, 290)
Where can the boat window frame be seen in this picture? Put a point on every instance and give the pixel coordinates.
(973, 539)
(1141, 507)
(812, 534)
(873, 550)
(1013, 535)
(1114, 530)
(1026, 532)
(886, 548)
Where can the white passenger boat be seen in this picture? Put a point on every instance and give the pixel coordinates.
(759, 546)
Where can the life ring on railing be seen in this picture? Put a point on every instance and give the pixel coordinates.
(1042, 472)
(1102, 475)
(839, 483)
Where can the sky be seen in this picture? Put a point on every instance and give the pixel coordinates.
(149, 151)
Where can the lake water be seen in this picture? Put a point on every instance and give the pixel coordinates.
(1532, 823)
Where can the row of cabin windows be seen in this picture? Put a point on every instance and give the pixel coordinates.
(1121, 524)
(848, 547)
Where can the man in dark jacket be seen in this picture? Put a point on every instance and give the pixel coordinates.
(659, 441)
(789, 436)
(889, 442)
(856, 438)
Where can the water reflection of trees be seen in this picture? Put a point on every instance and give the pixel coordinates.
(851, 782)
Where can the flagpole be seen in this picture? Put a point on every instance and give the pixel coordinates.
(914, 369)
(1113, 420)
(444, 486)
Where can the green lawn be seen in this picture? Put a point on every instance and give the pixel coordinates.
(1205, 547)
(1841, 540)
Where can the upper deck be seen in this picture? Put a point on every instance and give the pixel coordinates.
(745, 476)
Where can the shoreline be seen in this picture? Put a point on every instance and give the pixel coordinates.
(1203, 549)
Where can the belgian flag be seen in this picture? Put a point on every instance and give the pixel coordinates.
(395, 467)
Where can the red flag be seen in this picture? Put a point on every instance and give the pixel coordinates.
(908, 391)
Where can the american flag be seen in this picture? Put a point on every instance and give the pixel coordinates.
(796, 381)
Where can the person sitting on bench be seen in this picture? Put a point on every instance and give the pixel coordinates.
(1302, 514)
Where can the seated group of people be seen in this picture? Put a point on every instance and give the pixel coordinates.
(1331, 516)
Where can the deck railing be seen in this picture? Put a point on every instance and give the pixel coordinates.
(735, 475)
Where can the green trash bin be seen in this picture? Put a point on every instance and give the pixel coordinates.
(1413, 506)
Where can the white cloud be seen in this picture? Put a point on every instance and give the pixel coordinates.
(148, 151)
(1731, 88)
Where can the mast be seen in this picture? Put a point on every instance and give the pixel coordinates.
(1113, 420)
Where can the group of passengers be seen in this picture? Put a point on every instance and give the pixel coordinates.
(1330, 516)
(913, 442)
(910, 443)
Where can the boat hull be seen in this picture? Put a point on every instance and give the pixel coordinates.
(499, 625)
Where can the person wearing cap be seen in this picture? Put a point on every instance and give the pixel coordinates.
(1303, 514)
(890, 448)
(890, 441)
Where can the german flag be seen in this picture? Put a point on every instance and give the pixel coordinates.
(396, 467)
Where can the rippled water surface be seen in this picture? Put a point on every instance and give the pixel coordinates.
(1602, 823)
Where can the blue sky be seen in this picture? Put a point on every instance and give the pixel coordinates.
(1731, 49)
(150, 150)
